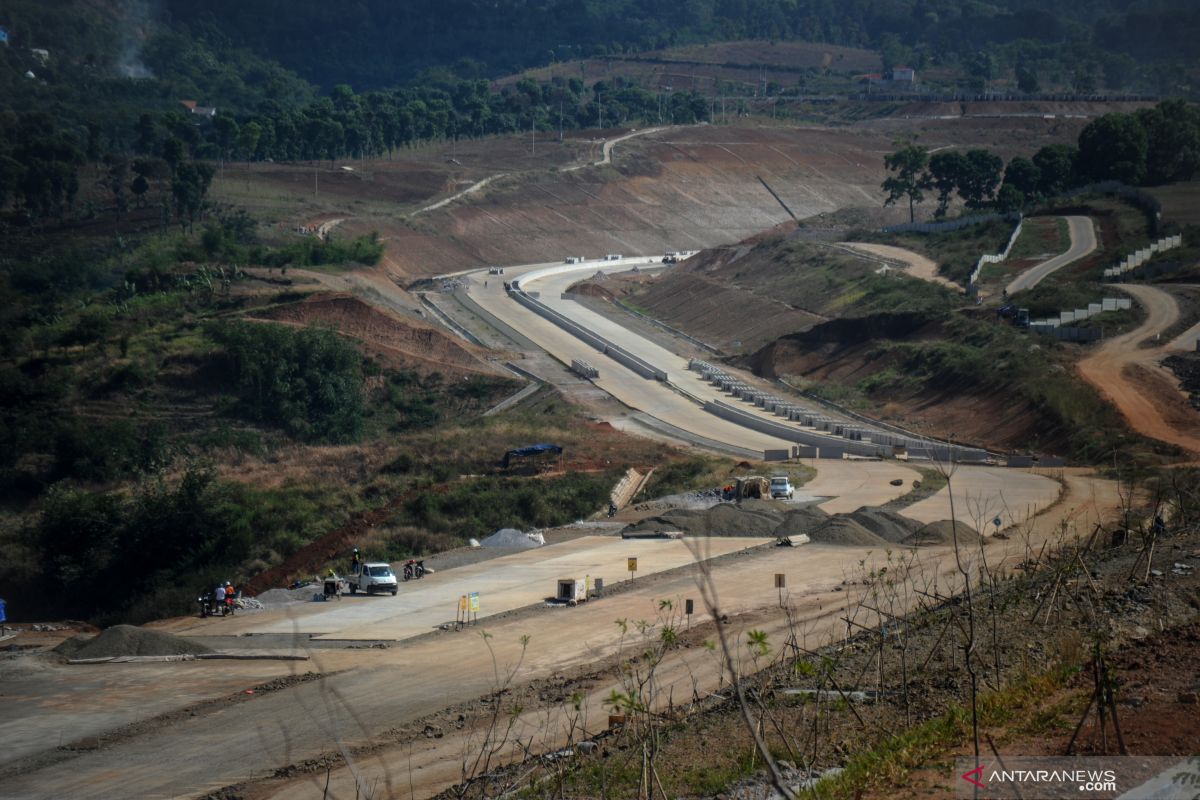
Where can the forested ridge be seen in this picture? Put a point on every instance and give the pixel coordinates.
(373, 43)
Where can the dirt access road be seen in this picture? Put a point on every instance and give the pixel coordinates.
(914, 264)
(1083, 242)
(1129, 374)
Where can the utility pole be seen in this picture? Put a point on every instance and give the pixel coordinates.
(560, 120)
(532, 132)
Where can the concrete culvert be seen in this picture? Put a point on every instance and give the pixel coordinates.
(129, 640)
(843, 531)
(942, 532)
(887, 525)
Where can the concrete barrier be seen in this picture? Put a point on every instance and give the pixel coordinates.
(530, 301)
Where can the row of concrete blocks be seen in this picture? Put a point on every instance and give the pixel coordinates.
(530, 300)
(584, 369)
(1136, 259)
(806, 417)
(1080, 314)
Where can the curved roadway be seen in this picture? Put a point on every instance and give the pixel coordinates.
(1130, 376)
(1083, 242)
(1013, 495)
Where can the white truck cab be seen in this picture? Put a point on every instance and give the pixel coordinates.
(373, 577)
(781, 487)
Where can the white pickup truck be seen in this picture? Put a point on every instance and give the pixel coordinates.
(373, 577)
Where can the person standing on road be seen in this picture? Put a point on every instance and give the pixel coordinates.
(219, 597)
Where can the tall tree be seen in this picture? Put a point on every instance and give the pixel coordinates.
(946, 171)
(1114, 147)
(1023, 175)
(1056, 168)
(981, 178)
(1173, 141)
(910, 179)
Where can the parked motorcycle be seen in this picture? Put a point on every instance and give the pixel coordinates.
(414, 569)
(211, 607)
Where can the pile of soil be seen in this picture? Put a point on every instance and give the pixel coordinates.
(887, 525)
(942, 532)
(802, 520)
(129, 640)
(729, 520)
(866, 527)
(841, 529)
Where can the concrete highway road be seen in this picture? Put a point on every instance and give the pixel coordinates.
(1083, 241)
(384, 697)
(852, 484)
(505, 583)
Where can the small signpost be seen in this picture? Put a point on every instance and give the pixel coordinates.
(689, 606)
(631, 565)
(468, 605)
(780, 584)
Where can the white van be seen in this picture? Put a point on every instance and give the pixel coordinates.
(613, 257)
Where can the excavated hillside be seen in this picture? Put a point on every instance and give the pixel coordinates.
(678, 188)
(741, 297)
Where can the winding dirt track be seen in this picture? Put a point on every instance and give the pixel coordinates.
(1132, 379)
(1083, 242)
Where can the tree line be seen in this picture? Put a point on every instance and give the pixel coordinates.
(1149, 147)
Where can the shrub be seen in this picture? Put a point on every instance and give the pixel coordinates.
(309, 382)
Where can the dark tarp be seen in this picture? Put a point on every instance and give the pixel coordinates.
(531, 450)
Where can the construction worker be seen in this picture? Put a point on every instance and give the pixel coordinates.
(230, 595)
(354, 562)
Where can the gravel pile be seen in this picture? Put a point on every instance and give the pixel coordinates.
(887, 525)
(802, 520)
(866, 527)
(729, 520)
(511, 537)
(840, 529)
(129, 640)
(283, 597)
(942, 532)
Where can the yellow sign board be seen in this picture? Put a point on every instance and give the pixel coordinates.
(473, 599)
(632, 564)
(462, 603)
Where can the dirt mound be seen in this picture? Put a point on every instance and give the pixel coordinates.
(887, 525)
(590, 288)
(802, 520)
(842, 530)
(396, 341)
(729, 520)
(129, 640)
(942, 532)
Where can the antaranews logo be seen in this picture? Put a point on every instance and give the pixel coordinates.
(1090, 778)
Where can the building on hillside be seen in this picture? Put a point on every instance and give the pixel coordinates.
(208, 112)
(188, 104)
(903, 74)
(41, 55)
